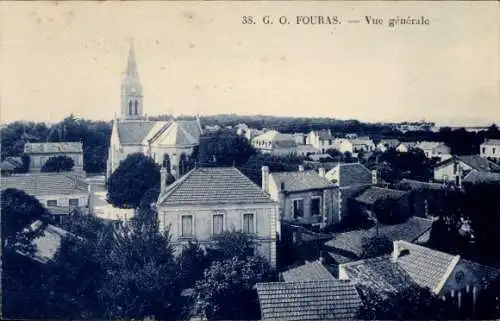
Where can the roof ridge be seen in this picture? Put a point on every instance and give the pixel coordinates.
(447, 274)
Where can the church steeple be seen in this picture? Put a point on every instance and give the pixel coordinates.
(131, 91)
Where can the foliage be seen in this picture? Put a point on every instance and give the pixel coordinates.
(409, 303)
(375, 246)
(235, 244)
(18, 211)
(386, 211)
(58, 164)
(192, 263)
(488, 302)
(226, 291)
(149, 197)
(224, 149)
(129, 182)
(253, 167)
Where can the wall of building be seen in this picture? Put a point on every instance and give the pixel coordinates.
(447, 172)
(265, 223)
(489, 151)
(63, 200)
(38, 160)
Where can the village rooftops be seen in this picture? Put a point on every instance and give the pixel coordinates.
(51, 148)
(308, 301)
(300, 181)
(428, 145)
(373, 194)
(40, 184)
(309, 271)
(346, 247)
(213, 185)
(477, 177)
(474, 161)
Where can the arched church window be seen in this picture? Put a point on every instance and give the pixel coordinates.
(130, 107)
(136, 108)
(166, 162)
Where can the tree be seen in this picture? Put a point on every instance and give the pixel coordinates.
(235, 244)
(58, 164)
(385, 211)
(224, 149)
(375, 246)
(226, 291)
(130, 181)
(193, 261)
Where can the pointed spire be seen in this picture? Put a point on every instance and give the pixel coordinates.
(131, 64)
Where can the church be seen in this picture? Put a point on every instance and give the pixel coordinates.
(167, 142)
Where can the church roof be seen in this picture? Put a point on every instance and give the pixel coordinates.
(179, 132)
(134, 131)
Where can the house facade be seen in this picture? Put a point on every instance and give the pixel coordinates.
(490, 149)
(58, 192)
(323, 140)
(386, 144)
(434, 150)
(361, 144)
(40, 153)
(274, 142)
(304, 197)
(208, 201)
(456, 168)
(167, 142)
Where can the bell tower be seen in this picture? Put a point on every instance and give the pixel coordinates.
(131, 90)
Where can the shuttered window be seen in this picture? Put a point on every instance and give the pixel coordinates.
(248, 223)
(187, 226)
(218, 224)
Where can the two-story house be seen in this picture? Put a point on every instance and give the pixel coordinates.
(58, 192)
(456, 168)
(434, 150)
(322, 140)
(490, 148)
(39, 154)
(208, 201)
(304, 197)
(361, 144)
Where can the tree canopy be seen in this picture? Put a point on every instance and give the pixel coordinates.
(58, 164)
(129, 182)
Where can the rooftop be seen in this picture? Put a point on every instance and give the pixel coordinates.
(308, 301)
(134, 131)
(374, 194)
(495, 142)
(415, 185)
(49, 148)
(347, 246)
(476, 177)
(300, 181)
(40, 184)
(479, 163)
(213, 185)
(309, 271)
(349, 174)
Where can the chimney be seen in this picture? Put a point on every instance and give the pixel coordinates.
(163, 178)
(375, 179)
(395, 251)
(321, 171)
(265, 179)
(301, 168)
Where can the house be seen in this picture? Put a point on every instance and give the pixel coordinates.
(425, 196)
(304, 197)
(456, 168)
(405, 147)
(386, 144)
(320, 157)
(39, 154)
(324, 300)
(367, 200)
(350, 179)
(58, 192)
(445, 275)
(490, 148)
(322, 140)
(208, 201)
(309, 271)
(166, 141)
(101, 208)
(347, 246)
(434, 149)
(360, 144)
(305, 150)
(274, 142)
(251, 133)
(300, 138)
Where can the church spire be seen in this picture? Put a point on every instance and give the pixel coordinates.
(131, 91)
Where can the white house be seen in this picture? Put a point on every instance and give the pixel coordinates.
(361, 144)
(39, 154)
(405, 147)
(386, 144)
(322, 140)
(208, 201)
(490, 148)
(434, 149)
(165, 141)
(456, 168)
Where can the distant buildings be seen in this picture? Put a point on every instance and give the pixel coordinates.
(356, 145)
(275, 143)
(208, 201)
(40, 153)
(386, 144)
(322, 140)
(490, 149)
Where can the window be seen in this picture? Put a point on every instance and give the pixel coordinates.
(298, 208)
(187, 226)
(248, 223)
(316, 206)
(52, 203)
(136, 108)
(484, 150)
(217, 224)
(494, 150)
(130, 107)
(73, 202)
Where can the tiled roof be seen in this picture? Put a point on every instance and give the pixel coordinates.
(389, 142)
(317, 157)
(134, 131)
(373, 194)
(428, 145)
(495, 142)
(303, 149)
(487, 273)
(309, 271)
(420, 265)
(476, 177)
(300, 181)
(350, 174)
(347, 246)
(50, 148)
(308, 301)
(188, 132)
(479, 163)
(324, 134)
(40, 184)
(213, 185)
(413, 184)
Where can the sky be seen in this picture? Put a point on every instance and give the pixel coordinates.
(58, 58)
